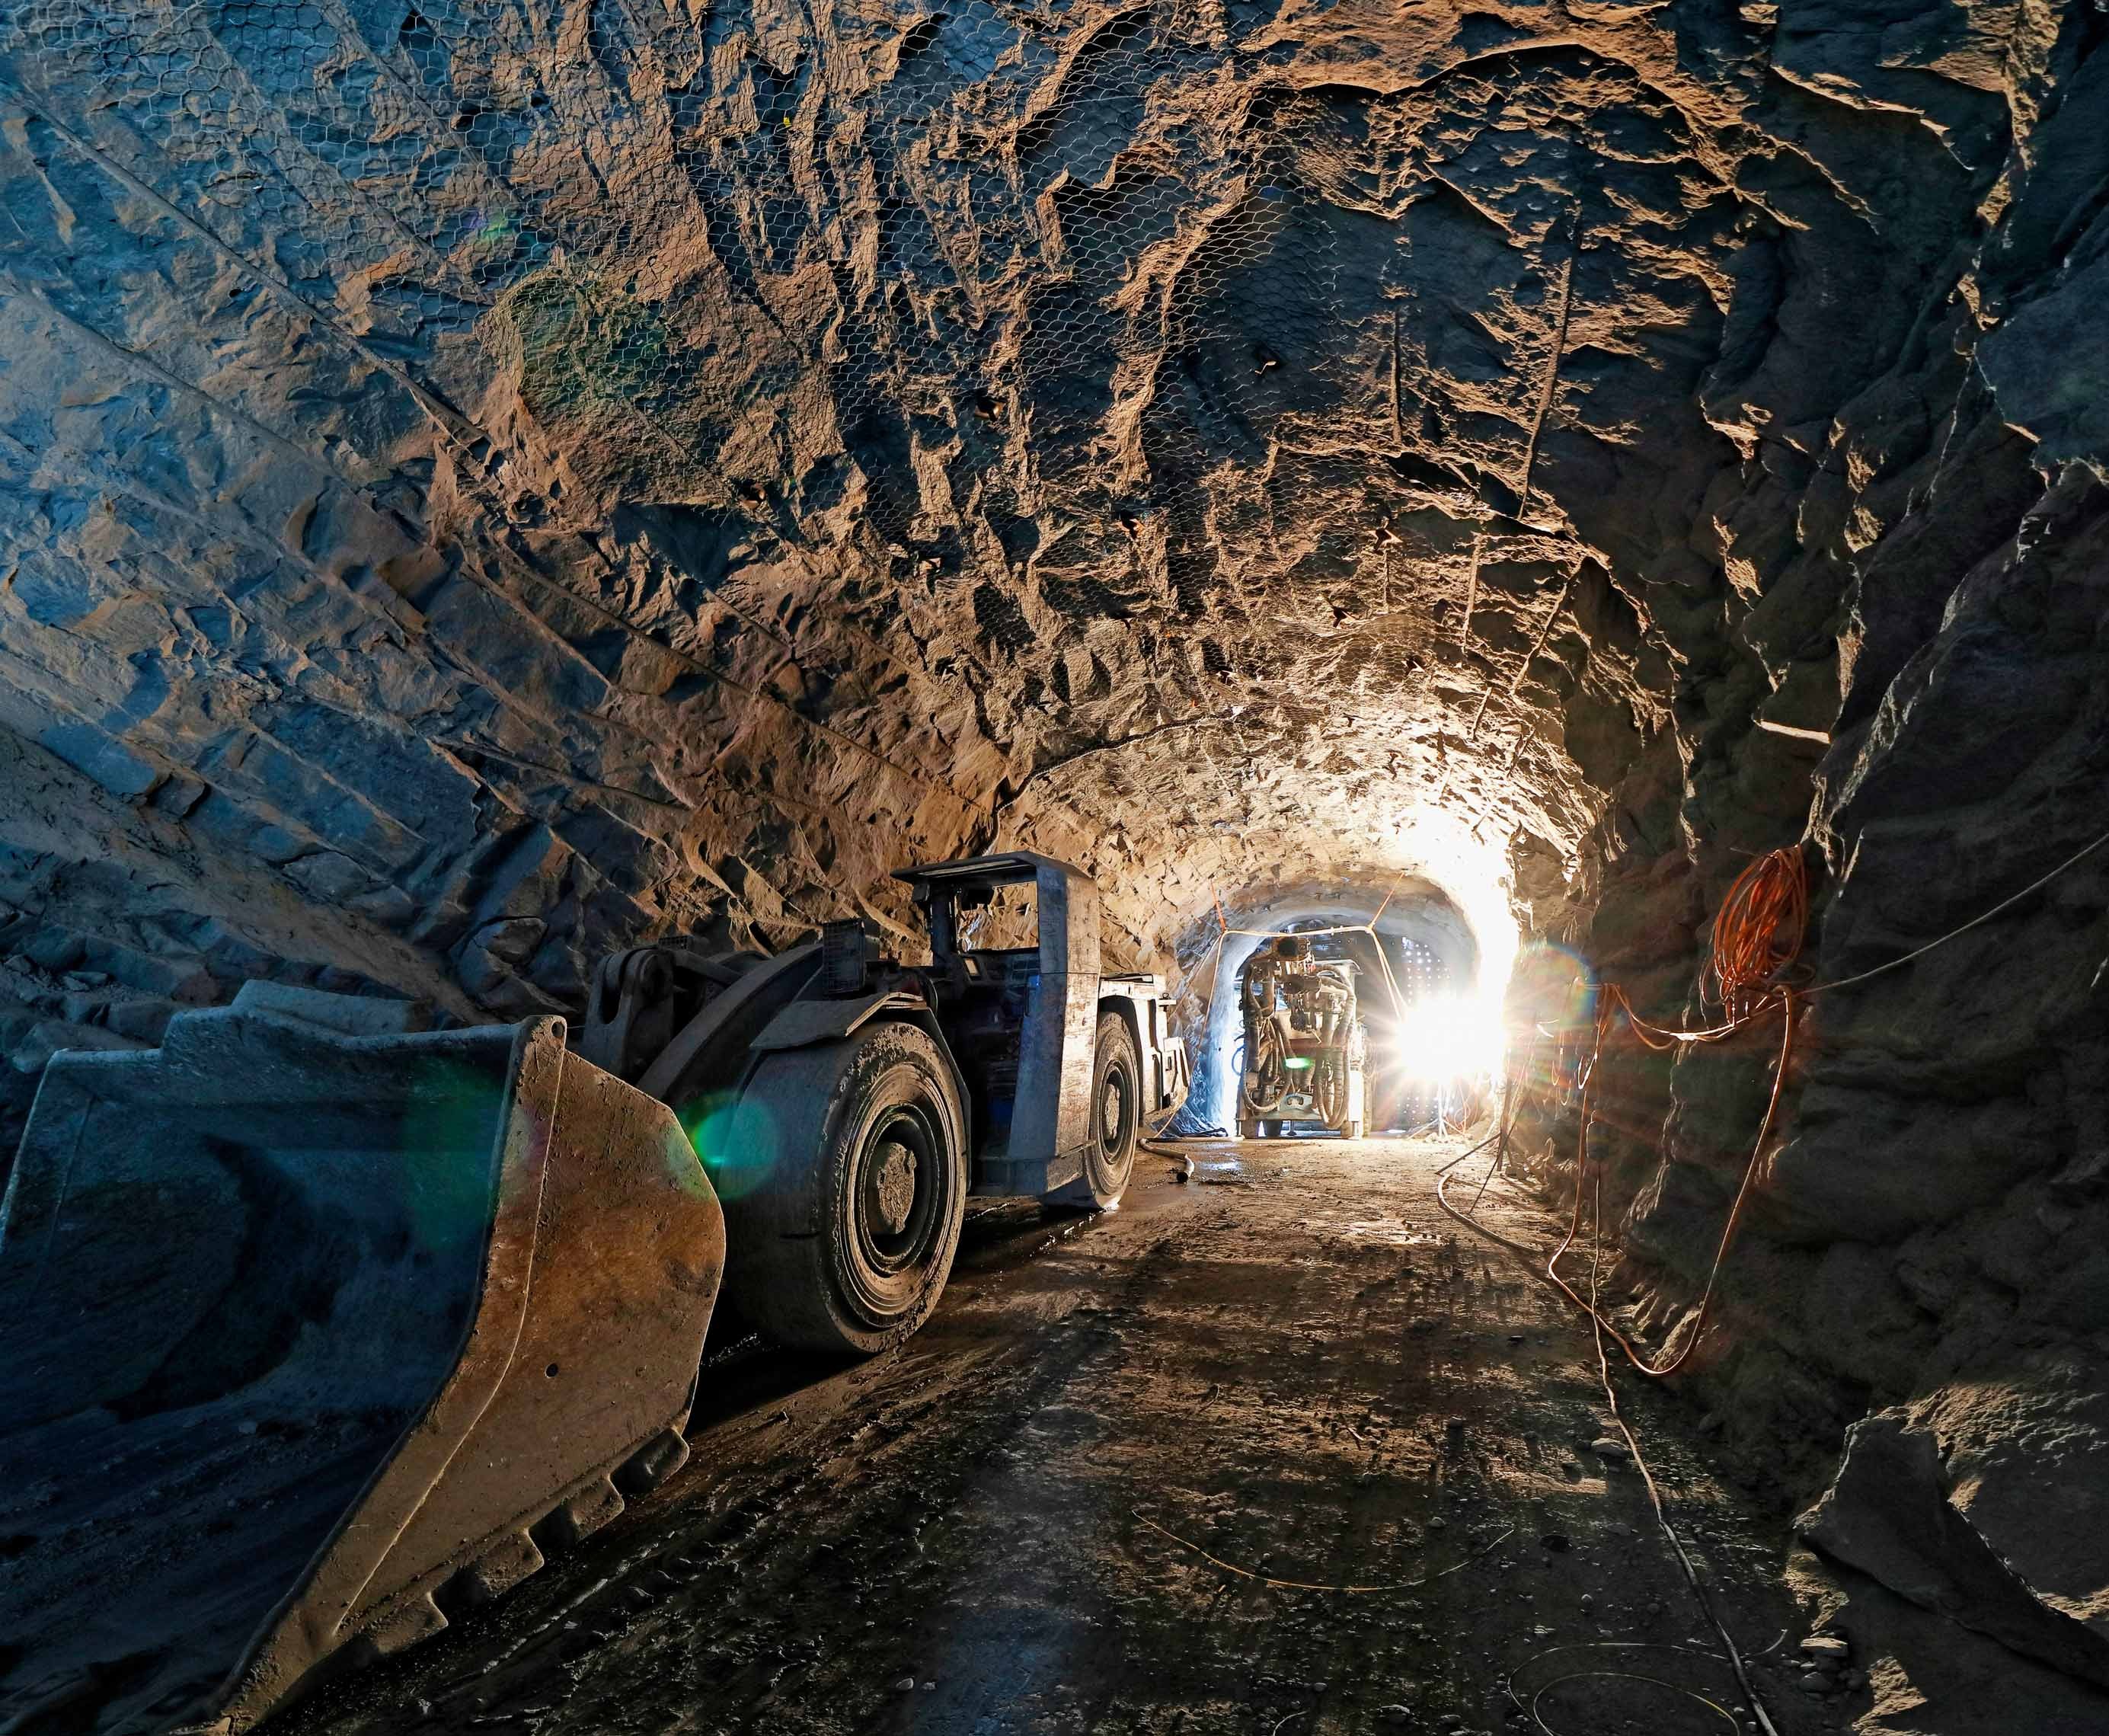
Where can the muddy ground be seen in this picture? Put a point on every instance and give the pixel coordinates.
(1295, 1363)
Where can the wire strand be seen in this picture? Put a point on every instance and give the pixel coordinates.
(1783, 999)
(1262, 1579)
(1735, 1657)
(1669, 1531)
(2037, 885)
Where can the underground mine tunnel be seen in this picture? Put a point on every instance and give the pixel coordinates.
(1480, 633)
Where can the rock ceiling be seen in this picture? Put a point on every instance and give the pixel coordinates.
(519, 478)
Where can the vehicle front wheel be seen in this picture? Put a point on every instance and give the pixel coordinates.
(1114, 1116)
(844, 1241)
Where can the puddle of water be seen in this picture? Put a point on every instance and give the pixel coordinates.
(1395, 1232)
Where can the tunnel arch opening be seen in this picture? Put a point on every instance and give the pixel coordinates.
(1415, 943)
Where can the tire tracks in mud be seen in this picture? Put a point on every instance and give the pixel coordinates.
(1455, 1433)
(1308, 1649)
(1311, 1377)
(777, 1522)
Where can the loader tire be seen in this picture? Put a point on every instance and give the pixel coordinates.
(844, 1246)
(1115, 1112)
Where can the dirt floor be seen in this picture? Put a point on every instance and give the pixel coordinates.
(1046, 1513)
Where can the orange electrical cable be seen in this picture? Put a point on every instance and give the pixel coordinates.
(1662, 1037)
(1757, 934)
(1782, 998)
(1757, 931)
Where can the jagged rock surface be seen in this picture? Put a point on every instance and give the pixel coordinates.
(486, 484)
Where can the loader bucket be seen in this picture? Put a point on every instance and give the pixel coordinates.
(307, 1338)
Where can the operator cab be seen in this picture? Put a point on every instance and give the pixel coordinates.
(1062, 1065)
(998, 944)
(992, 936)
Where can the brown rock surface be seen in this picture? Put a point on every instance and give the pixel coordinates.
(484, 484)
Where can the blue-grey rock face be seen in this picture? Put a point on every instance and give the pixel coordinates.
(482, 484)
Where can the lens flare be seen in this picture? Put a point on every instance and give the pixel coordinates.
(1450, 1037)
(1551, 990)
(736, 1141)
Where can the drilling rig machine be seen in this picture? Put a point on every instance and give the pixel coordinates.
(1305, 1046)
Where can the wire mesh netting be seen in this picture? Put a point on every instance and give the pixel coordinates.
(1102, 257)
(607, 198)
(1053, 374)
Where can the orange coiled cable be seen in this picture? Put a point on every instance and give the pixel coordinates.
(1757, 935)
(1758, 932)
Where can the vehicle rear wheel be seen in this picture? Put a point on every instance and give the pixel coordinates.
(844, 1241)
(1115, 1115)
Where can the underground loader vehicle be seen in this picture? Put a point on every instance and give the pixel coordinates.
(317, 1327)
(845, 1104)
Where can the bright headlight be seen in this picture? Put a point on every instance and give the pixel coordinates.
(1450, 1038)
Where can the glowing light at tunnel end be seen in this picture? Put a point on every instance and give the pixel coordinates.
(1463, 1037)
(1459, 1039)
(1452, 1037)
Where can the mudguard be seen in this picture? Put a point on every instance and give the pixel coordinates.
(804, 1023)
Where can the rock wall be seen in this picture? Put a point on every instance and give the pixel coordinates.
(1927, 1237)
(486, 484)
